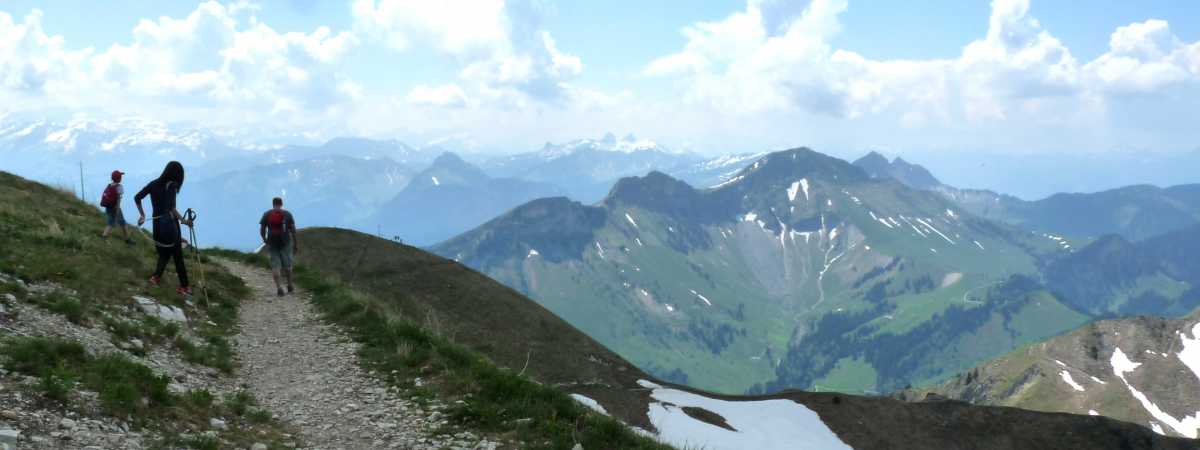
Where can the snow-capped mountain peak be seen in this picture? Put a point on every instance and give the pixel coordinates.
(608, 143)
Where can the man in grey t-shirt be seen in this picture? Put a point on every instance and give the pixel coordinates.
(278, 231)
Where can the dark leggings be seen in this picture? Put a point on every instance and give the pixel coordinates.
(176, 252)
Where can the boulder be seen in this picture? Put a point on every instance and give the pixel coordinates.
(166, 313)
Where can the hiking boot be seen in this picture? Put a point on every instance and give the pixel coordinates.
(184, 291)
(154, 280)
(279, 291)
(291, 289)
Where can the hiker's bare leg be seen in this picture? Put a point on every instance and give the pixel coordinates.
(125, 231)
(288, 274)
(107, 229)
(276, 275)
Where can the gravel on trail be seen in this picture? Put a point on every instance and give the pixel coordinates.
(306, 372)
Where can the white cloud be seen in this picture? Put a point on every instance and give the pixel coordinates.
(776, 55)
(30, 59)
(445, 96)
(216, 59)
(504, 53)
(1145, 57)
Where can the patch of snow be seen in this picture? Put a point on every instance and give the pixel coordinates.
(932, 250)
(951, 214)
(435, 181)
(935, 230)
(867, 248)
(585, 401)
(728, 182)
(639, 242)
(1060, 363)
(750, 217)
(532, 253)
(1092, 412)
(1157, 428)
(600, 250)
(630, 219)
(761, 425)
(979, 245)
(670, 308)
(1066, 376)
(793, 190)
(702, 297)
(1189, 426)
(1099, 380)
(1190, 355)
(804, 186)
(829, 202)
(914, 227)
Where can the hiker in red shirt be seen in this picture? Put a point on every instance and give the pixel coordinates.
(278, 231)
(110, 200)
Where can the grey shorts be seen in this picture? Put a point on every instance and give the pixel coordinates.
(281, 257)
(115, 217)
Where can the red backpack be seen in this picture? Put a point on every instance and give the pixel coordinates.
(276, 235)
(108, 199)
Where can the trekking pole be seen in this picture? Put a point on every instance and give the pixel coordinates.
(190, 216)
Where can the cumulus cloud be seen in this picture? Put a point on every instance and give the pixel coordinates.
(217, 58)
(30, 59)
(500, 44)
(775, 55)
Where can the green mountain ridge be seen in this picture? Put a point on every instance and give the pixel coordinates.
(716, 288)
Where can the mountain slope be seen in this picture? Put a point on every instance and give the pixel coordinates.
(519, 335)
(1158, 276)
(716, 287)
(586, 168)
(1144, 370)
(448, 198)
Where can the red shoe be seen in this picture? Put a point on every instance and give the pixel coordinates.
(154, 280)
(184, 291)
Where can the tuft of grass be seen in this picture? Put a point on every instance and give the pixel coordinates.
(495, 399)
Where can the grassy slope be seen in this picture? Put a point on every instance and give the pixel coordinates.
(474, 340)
(48, 237)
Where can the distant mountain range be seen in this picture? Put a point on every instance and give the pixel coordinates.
(587, 168)
(1134, 212)
(448, 198)
(912, 175)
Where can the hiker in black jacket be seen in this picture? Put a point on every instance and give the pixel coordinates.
(168, 237)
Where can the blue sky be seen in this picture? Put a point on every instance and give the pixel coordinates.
(712, 76)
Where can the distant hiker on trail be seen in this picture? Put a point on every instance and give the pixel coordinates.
(278, 231)
(168, 238)
(110, 200)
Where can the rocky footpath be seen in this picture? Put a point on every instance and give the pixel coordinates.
(308, 373)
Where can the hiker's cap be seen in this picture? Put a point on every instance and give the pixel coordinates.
(116, 175)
